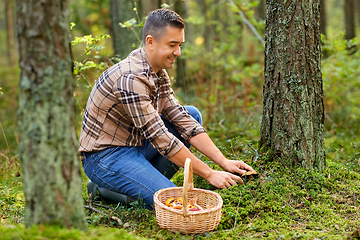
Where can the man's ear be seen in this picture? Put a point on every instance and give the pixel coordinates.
(150, 41)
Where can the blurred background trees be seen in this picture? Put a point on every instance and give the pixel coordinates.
(221, 70)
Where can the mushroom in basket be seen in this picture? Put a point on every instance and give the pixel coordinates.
(178, 204)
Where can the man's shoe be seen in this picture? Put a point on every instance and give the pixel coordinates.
(107, 194)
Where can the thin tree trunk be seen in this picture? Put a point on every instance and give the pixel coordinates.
(323, 17)
(124, 39)
(209, 28)
(179, 7)
(48, 145)
(349, 13)
(261, 10)
(358, 12)
(10, 36)
(293, 113)
(150, 5)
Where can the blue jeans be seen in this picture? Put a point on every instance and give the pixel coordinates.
(135, 171)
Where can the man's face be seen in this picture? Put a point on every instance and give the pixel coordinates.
(164, 51)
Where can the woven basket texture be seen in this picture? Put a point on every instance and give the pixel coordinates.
(188, 222)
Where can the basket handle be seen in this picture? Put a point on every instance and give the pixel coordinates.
(188, 184)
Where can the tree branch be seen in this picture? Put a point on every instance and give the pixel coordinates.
(253, 29)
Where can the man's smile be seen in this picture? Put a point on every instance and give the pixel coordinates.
(172, 59)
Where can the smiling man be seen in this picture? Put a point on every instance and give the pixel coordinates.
(135, 134)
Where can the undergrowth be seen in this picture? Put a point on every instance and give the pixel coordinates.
(283, 203)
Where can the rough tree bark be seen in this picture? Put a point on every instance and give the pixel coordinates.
(293, 111)
(51, 171)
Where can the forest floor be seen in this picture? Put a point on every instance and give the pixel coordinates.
(283, 203)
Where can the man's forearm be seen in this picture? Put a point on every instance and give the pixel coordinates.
(204, 144)
(199, 167)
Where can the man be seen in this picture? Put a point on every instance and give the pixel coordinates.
(133, 124)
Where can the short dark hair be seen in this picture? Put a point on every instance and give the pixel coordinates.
(158, 20)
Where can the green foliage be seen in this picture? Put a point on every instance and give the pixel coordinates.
(91, 46)
(11, 195)
(91, 42)
(342, 100)
(224, 72)
(342, 82)
(88, 66)
(8, 103)
(90, 16)
(135, 26)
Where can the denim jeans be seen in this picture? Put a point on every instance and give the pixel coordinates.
(135, 171)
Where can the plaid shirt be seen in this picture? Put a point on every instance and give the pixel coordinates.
(124, 107)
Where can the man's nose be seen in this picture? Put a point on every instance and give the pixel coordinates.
(177, 52)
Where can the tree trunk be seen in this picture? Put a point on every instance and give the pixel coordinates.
(209, 27)
(358, 12)
(51, 173)
(124, 39)
(179, 7)
(261, 10)
(149, 6)
(349, 13)
(293, 111)
(10, 36)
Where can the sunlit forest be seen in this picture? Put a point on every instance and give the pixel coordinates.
(221, 72)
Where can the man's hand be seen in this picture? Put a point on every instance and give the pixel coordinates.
(203, 143)
(221, 179)
(235, 166)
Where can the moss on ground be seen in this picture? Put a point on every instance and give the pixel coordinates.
(8, 232)
(284, 203)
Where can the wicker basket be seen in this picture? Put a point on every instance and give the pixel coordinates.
(188, 221)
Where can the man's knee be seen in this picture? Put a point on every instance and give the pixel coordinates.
(195, 113)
